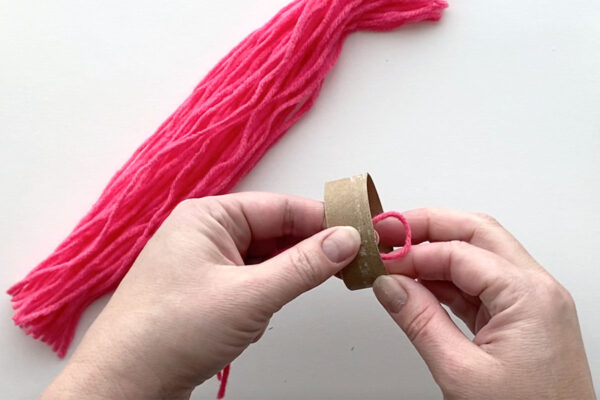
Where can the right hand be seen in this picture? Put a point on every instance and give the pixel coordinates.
(527, 342)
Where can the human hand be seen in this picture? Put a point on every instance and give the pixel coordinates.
(186, 308)
(527, 342)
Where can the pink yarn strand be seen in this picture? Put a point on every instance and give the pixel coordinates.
(247, 102)
(396, 254)
(223, 376)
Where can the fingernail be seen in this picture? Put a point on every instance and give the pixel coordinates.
(341, 244)
(390, 293)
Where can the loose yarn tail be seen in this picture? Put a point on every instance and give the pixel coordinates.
(222, 376)
(236, 113)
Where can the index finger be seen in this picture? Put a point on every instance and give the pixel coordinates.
(256, 216)
(475, 271)
(443, 225)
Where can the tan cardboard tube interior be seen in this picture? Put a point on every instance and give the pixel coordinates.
(353, 202)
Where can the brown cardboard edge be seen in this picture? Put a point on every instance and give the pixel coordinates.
(353, 202)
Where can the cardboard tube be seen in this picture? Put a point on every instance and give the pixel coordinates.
(353, 202)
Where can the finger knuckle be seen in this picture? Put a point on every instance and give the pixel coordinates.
(556, 296)
(458, 246)
(194, 209)
(457, 249)
(288, 219)
(565, 300)
(455, 252)
(487, 219)
(204, 215)
(416, 327)
(305, 267)
(189, 206)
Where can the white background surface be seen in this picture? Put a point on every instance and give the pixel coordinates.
(494, 109)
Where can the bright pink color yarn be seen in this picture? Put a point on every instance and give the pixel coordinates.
(238, 111)
(222, 376)
(396, 254)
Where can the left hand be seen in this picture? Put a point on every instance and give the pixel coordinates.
(187, 308)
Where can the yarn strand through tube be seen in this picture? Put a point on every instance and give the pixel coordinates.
(235, 114)
(396, 254)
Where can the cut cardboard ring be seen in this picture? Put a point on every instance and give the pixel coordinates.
(353, 202)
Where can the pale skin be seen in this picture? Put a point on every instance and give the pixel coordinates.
(187, 308)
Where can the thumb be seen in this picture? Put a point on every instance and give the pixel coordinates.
(426, 324)
(308, 264)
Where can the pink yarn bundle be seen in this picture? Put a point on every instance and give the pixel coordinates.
(238, 111)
